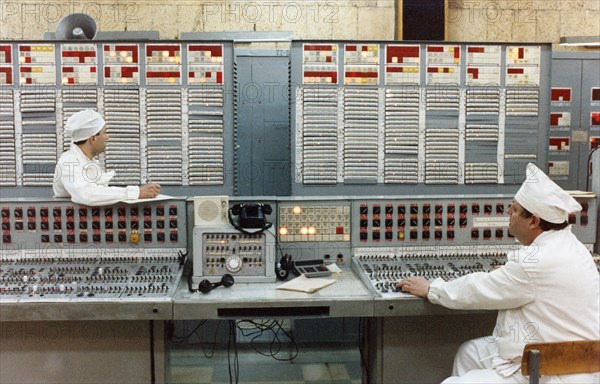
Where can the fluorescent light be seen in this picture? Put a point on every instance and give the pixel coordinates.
(580, 41)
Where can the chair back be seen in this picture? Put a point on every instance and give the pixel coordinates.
(563, 358)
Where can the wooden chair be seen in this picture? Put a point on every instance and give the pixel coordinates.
(561, 358)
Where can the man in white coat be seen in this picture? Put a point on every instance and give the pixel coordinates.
(548, 290)
(79, 176)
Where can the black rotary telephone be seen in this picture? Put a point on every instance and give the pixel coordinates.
(250, 216)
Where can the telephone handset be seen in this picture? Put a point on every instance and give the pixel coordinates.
(250, 215)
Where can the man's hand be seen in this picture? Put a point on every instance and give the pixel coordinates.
(417, 286)
(149, 191)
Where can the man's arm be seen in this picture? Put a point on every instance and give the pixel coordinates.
(85, 191)
(503, 288)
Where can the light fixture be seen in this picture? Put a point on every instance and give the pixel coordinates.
(580, 41)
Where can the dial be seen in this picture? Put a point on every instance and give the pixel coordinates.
(233, 263)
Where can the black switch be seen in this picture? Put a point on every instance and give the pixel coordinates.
(439, 222)
(160, 224)
(160, 210)
(147, 237)
(147, 210)
(474, 234)
(30, 212)
(173, 223)
(401, 209)
(45, 238)
(475, 208)
(96, 237)
(499, 233)
(95, 211)
(401, 222)
(19, 225)
(462, 222)
(70, 225)
(414, 235)
(414, 222)
(109, 237)
(57, 225)
(438, 235)
(364, 223)
(31, 225)
(487, 233)
(426, 235)
(44, 212)
(44, 225)
(58, 238)
(414, 209)
(6, 226)
(389, 222)
(19, 212)
(95, 225)
(108, 225)
(450, 235)
(364, 210)
(133, 211)
(364, 236)
(173, 210)
(376, 235)
(108, 212)
(389, 209)
(160, 236)
(173, 236)
(426, 222)
(56, 212)
(499, 209)
(83, 225)
(463, 208)
(5, 212)
(376, 223)
(69, 211)
(83, 237)
(426, 208)
(82, 212)
(389, 236)
(451, 208)
(487, 209)
(122, 237)
(70, 238)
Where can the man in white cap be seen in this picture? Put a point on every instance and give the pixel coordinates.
(548, 290)
(79, 176)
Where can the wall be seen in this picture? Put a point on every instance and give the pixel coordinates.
(467, 20)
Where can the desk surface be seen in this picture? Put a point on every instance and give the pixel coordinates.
(347, 297)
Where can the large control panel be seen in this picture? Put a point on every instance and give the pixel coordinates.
(445, 237)
(58, 250)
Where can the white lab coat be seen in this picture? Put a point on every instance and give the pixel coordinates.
(85, 182)
(548, 291)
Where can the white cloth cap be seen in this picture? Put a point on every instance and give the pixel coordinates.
(544, 198)
(84, 124)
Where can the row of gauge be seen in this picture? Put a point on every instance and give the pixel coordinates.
(485, 64)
